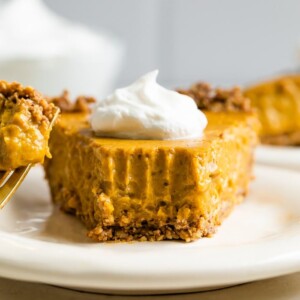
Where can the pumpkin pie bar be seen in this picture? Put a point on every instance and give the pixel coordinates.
(125, 190)
(278, 106)
(25, 117)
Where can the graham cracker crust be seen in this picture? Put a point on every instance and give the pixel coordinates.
(186, 231)
(286, 139)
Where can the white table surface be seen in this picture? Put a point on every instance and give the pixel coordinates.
(285, 287)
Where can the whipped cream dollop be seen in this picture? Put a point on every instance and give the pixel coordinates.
(146, 110)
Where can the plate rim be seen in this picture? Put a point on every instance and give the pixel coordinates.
(278, 156)
(254, 265)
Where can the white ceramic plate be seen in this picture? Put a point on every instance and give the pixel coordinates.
(259, 240)
(287, 157)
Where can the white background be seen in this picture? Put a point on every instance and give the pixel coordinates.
(222, 41)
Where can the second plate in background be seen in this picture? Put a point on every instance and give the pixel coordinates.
(284, 157)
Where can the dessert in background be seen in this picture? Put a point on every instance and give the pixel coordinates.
(25, 117)
(277, 103)
(146, 164)
(41, 49)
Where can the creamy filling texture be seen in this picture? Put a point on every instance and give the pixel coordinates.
(146, 110)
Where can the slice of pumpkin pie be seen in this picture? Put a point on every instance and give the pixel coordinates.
(140, 167)
(277, 103)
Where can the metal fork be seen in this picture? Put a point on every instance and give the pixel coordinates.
(11, 180)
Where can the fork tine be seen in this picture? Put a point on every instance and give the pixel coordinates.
(55, 116)
(5, 176)
(11, 185)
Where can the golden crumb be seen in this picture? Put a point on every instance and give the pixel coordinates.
(217, 100)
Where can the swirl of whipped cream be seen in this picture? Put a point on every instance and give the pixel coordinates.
(146, 110)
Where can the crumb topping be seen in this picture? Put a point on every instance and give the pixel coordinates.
(217, 99)
(25, 125)
(81, 104)
(14, 94)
